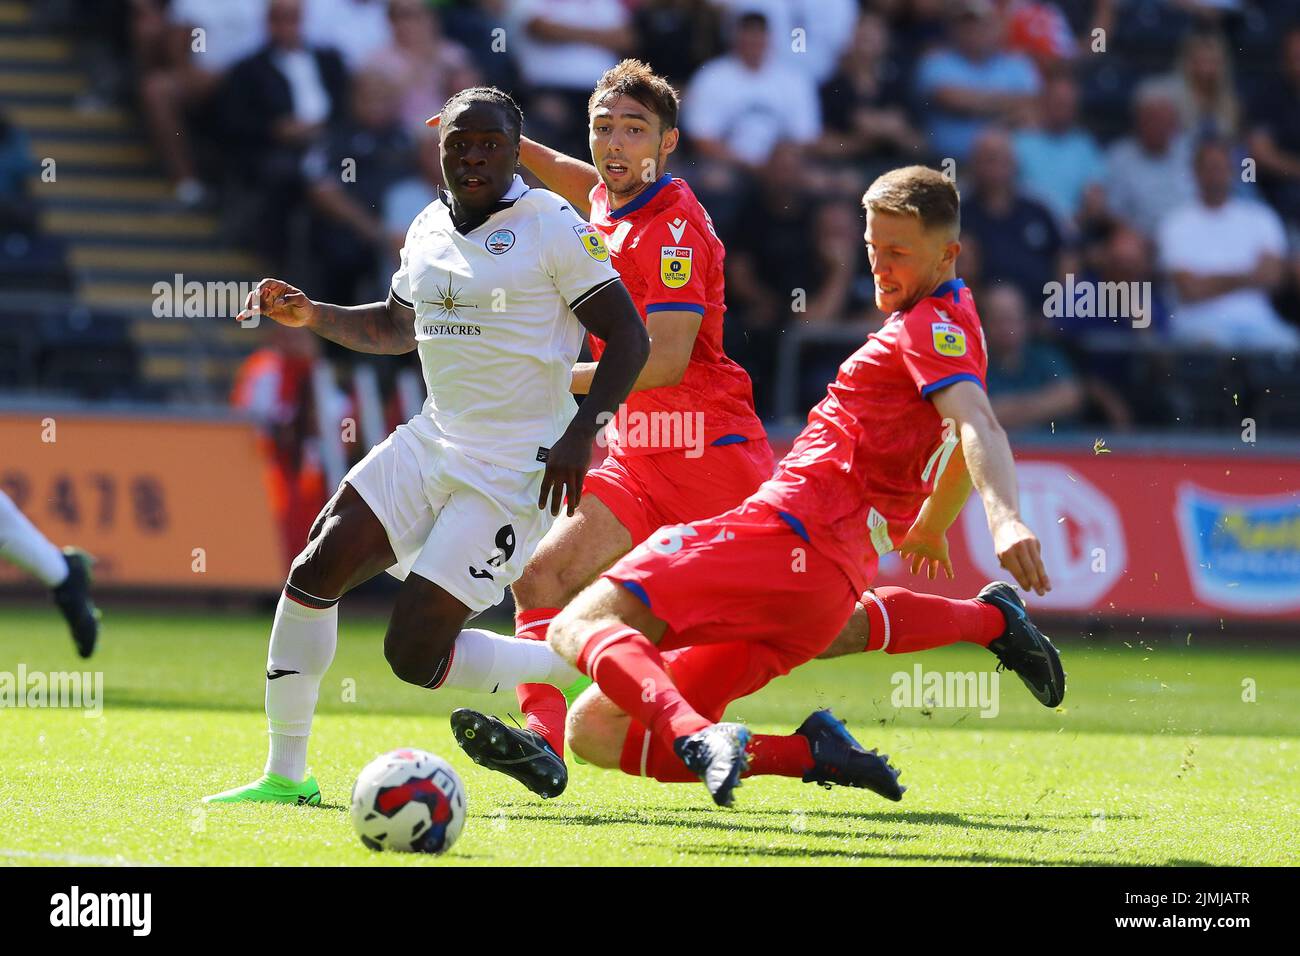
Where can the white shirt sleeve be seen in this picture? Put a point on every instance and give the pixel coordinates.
(1269, 233)
(574, 254)
(401, 284)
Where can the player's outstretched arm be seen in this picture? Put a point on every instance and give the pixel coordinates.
(571, 178)
(610, 315)
(380, 328)
(993, 472)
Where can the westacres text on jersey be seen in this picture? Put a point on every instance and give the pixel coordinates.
(451, 330)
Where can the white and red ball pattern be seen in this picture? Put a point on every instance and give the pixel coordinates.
(410, 801)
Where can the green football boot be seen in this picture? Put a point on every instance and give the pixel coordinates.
(271, 788)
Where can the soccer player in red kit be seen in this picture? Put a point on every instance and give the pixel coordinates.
(708, 611)
(687, 442)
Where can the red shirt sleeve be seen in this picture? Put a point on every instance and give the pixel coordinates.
(675, 260)
(939, 348)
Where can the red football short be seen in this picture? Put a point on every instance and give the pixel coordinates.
(745, 598)
(645, 492)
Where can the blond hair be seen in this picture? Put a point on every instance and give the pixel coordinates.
(917, 191)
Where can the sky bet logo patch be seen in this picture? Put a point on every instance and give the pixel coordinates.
(592, 241)
(675, 265)
(949, 339)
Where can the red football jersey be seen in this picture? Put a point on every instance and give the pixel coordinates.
(874, 446)
(663, 245)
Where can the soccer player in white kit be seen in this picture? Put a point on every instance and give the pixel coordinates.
(496, 284)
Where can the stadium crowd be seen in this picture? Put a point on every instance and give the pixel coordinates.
(1149, 143)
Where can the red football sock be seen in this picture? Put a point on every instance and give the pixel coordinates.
(780, 756)
(628, 668)
(543, 705)
(904, 621)
(644, 755)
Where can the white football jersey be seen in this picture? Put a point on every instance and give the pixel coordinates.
(494, 321)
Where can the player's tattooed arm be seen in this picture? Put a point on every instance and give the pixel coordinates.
(993, 472)
(381, 328)
(560, 173)
(610, 315)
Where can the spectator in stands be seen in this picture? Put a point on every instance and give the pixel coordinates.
(739, 106)
(183, 64)
(349, 176)
(1038, 30)
(971, 82)
(807, 36)
(27, 256)
(562, 48)
(278, 104)
(480, 28)
(1275, 136)
(770, 254)
(915, 26)
(1120, 255)
(17, 208)
(676, 36)
(425, 66)
(357, 29)
(1204, 87)
(1019, 239)
(1031, 383)
(864, 104)
(1058, 158)
(1224, 256)
(843, 290)
(407, 197)
(1149, 172)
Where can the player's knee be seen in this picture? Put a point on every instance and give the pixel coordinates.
(313, 571)
(538, 586)
(409, 662)
(418, 652)
(571, 627)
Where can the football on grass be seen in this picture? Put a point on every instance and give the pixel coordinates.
(408, 800)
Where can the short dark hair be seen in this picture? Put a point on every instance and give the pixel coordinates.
(917, 191)
(1209, 140)
(635, 79)
(488, 94)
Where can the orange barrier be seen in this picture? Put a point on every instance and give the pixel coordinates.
(158, 502)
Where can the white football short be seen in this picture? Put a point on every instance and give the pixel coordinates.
(464, 524)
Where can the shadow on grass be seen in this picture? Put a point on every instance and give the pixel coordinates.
(921, 856)
(709, 818)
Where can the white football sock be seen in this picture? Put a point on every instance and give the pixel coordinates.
(488, 662)
(303, 640)
(26, 547)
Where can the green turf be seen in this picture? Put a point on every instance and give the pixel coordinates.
(1155, 759)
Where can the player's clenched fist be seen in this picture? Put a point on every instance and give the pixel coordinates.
(280, 302)
(1019, 552)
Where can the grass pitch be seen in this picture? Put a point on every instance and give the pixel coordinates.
(1155, 759)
